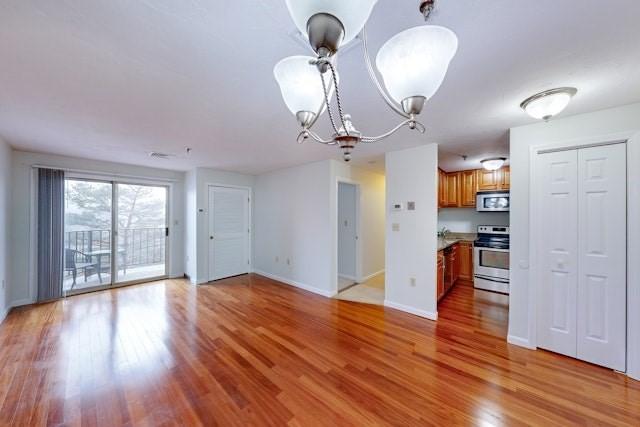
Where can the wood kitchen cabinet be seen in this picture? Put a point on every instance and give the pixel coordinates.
(455, 264)
(458, 189)
(505, 181)
(499, 180)
(442, 188)
(467, 189)
(452, 190)
(488, 180)
(440, 275)
(465, 257)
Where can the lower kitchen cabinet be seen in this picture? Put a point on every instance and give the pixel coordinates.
(465, 257)
(455, 263)
(440, 274)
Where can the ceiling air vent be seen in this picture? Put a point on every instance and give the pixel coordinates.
(158, 155)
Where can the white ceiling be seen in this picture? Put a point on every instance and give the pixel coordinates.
(116, 79)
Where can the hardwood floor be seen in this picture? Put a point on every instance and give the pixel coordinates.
(250, 351)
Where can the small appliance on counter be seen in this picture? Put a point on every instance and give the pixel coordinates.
(493, 201)
(491, 259)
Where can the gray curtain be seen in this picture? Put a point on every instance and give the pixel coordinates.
(50, 233)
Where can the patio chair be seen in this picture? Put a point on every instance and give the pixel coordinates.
(75, 260)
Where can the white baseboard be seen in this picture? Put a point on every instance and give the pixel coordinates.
(20, 302)
(370, 276)
(323, 292)
(5, 313)
(520, 342)
(411, 310)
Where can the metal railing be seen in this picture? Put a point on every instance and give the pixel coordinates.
(136, 246)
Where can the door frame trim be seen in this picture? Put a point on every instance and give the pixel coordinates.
(632, 140)
(249, 189)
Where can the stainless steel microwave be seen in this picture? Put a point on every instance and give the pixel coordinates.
(493, 202)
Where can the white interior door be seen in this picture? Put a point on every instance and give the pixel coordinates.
(557, 207)
(228, 232)
(602, 262)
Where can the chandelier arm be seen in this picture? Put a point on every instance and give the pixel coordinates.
(306, 134)
(374, 78)
(411, 122)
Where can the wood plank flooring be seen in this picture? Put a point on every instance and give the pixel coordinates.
(251, 351)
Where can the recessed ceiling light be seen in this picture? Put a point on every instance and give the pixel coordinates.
(493, 163)
(547, 104)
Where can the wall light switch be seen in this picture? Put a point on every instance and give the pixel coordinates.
(396, 207)
(395, 227)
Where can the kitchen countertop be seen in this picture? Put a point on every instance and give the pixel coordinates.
(453, 238)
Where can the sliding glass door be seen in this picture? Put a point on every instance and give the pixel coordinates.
(142, 232)
(87, 235)
(114, 233)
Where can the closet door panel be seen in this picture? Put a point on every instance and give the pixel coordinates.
(557, 211)
(602, 256)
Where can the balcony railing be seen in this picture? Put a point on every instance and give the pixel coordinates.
(135, 246)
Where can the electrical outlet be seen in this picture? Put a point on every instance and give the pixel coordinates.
(395, 227)
(412, 281)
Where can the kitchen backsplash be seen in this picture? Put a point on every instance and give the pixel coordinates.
(467, 220)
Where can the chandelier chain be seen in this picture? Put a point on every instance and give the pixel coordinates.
(326, 100)
(335, 83)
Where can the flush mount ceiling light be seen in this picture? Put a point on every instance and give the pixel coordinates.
(413, 65)
(493, 164)
(547, 104)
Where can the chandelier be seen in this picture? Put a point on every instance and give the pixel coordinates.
(412, 64)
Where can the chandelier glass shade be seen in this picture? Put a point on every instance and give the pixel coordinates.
(413, 65)
(415, 62)
(353, 14)
(300, 85)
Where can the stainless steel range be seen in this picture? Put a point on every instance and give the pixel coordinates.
(491, 259)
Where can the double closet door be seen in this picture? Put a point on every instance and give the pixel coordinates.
(581, 207)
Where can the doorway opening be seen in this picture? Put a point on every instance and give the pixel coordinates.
(115, 233)
(360, 237)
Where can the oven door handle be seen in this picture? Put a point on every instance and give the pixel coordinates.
(482, 248)
(492, 279)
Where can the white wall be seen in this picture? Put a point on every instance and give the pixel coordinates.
(203, 178)
(605, 125)
(412, 175)
(347, 231)
(22, 290)
(292, 222)
(467, 220)
(5, 200)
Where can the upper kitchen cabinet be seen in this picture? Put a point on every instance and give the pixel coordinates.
(452, 191)
(505, 181)
(458, 189)
(494, 180)
(442, 188)
(467, 189)
(488, 180)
